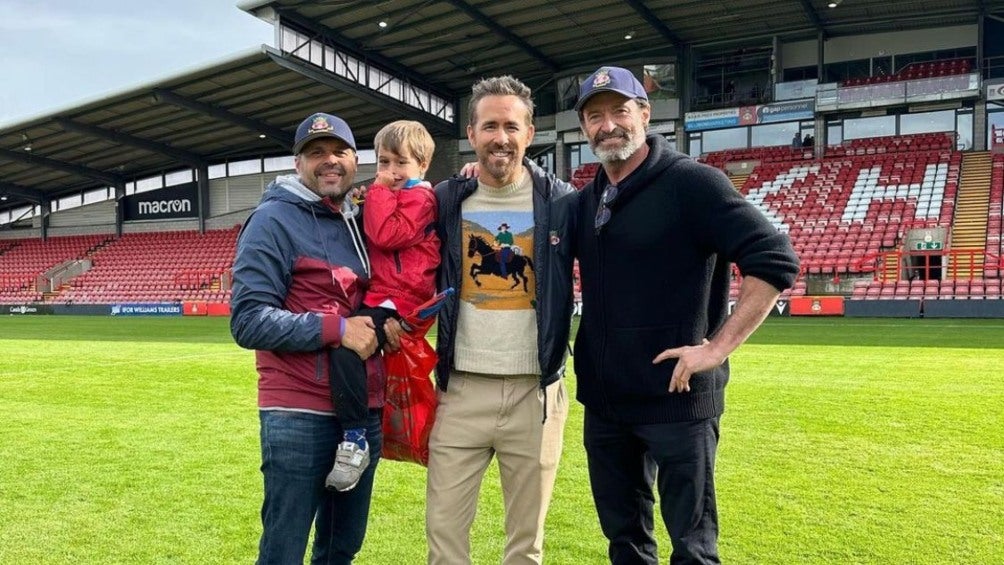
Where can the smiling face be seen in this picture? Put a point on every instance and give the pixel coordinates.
(501, 129)
(615, 126)
(327, 166)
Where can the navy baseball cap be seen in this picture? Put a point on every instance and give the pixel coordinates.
(322, 125)
(610, 79)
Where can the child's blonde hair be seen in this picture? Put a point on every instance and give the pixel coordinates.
(406, 137)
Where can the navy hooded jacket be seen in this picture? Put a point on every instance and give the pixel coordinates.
(299, 271)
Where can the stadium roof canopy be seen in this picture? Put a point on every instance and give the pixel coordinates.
(248, 105)
(450, 43)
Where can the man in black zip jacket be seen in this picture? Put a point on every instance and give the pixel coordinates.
(503, 338)
(656, 234)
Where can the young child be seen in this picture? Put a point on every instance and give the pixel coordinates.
(398, 218)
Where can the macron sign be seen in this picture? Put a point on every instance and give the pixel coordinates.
(164, 204)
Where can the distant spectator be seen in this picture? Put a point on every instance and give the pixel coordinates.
(809, 141)
(796, 141)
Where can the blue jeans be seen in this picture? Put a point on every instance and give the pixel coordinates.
(297, 452)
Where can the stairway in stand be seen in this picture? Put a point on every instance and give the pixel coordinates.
(739, 180)
(969, 227)
(890, 268)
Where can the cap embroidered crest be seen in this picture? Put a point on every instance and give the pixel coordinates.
(602, 78)
(610, 79)
(319, 124)
(322, 125)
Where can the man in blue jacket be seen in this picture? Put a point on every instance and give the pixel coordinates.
(299, 274)
(656, 235)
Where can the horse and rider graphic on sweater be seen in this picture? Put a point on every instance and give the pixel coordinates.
(500, 253)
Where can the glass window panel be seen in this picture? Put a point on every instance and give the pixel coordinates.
(179, 177)
(660, 80)
(69, 202)
(582, 153)
(248, 167)
(994, 120)
(800, 73)
(717, 140)
(870, 127)
(695, 145)
(773, 134)
(964, 129)
(99, 195)
(882, 66)
(152, 183)
(836, 72)
(284, 163)
(927, 122)
(834, 134)
(217, 171)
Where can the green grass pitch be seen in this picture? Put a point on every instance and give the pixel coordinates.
(135, 441)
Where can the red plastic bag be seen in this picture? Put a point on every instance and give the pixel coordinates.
(410, 407)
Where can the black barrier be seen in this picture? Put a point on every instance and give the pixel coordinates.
(154, 309)
(27, 309)
(81, 309)
(882, 308)
(780, 308)
(964, 308)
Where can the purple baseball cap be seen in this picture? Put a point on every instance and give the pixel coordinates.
(610, 79)
(322, 125)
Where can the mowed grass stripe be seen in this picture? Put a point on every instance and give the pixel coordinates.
(136, 441)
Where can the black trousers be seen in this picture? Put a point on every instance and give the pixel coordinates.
(626, 459)
(348, 375)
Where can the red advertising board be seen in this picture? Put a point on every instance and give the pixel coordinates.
(219, 308)
(194, 309)
(817, 306)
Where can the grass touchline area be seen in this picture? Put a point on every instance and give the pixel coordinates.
(135, 440)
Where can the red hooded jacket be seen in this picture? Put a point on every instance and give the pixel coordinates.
(403, 245)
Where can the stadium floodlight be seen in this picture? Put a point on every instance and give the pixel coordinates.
(27, 141)
(834, 3)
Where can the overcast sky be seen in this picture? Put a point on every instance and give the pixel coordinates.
(57, 53)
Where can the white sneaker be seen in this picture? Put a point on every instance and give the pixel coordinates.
(350, 462)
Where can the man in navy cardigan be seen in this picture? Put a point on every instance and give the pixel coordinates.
(657, 233)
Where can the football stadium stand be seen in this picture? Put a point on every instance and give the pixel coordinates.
(143, 267)
(24, 261)
(848, 214)
(929, 69)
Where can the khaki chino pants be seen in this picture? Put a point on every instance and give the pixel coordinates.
(478, 417)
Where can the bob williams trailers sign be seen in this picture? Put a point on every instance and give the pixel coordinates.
(170, 203)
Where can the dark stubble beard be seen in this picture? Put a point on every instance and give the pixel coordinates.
(343, 187)
(500, 172)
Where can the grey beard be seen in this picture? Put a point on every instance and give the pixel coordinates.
(616, 155)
